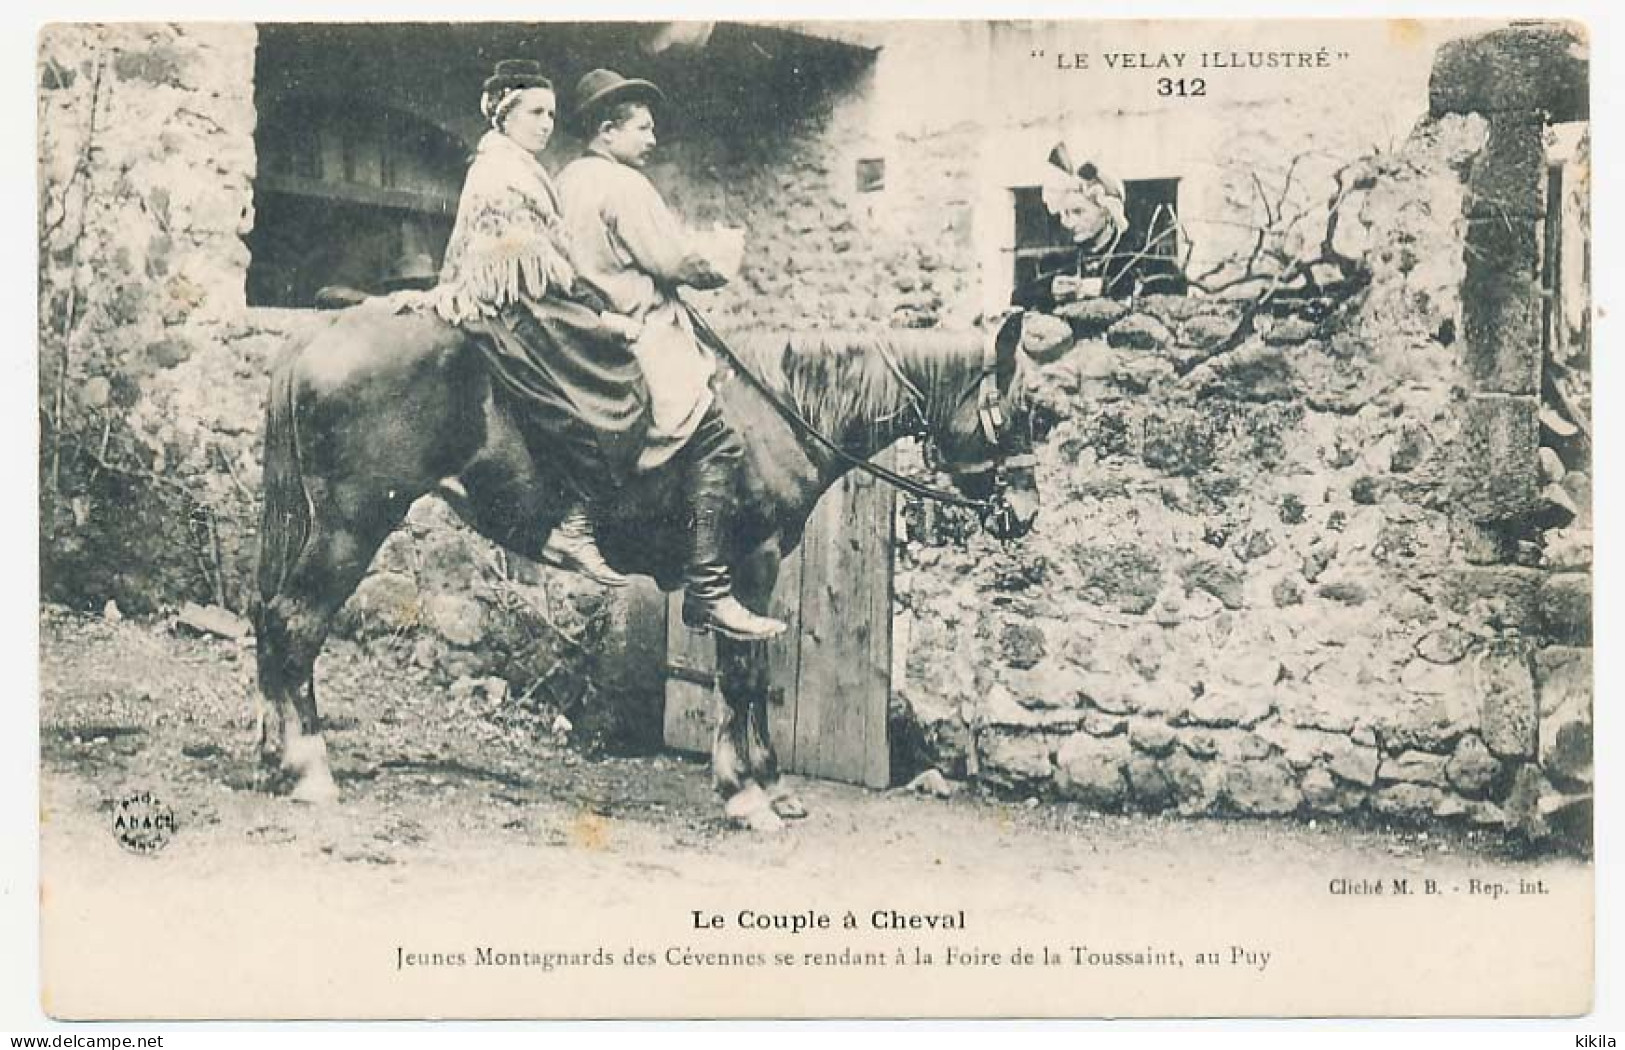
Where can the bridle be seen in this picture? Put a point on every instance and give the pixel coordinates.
(990, 415)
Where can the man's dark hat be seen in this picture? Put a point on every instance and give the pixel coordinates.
(604, 87)
(513, 74)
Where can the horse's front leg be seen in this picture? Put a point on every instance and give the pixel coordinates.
(745, 763)
(735, 752)
(757, 578)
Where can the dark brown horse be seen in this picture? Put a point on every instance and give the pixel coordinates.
(381, 408)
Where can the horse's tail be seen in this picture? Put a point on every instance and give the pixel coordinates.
(285, 526)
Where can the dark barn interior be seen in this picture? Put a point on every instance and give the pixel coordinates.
(365, 130)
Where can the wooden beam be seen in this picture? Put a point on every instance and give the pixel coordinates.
(355, 193)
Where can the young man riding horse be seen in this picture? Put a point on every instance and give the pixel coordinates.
(586, 329)
(635, 252)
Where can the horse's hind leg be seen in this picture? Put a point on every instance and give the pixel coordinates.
(294, 622)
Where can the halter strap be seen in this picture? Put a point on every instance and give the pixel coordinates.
(989, 408)
(990, 403)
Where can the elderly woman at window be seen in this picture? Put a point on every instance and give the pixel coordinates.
(1089, 205)
(509, 278)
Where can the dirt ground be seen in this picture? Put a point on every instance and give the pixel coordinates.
(447, 800)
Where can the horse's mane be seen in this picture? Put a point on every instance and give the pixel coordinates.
(837, 379)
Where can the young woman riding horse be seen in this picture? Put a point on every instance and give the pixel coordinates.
(619, 390)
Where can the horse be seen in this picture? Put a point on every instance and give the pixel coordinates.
(383, 406)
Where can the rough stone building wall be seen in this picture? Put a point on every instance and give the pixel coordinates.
(151, 372)
(1305, 576)
(821, 251)
(1527, 377)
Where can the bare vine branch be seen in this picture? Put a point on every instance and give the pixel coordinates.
(1277, 272)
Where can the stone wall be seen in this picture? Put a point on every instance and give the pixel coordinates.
(822, 251)
(1321, 573)
(150, 372)
(1525, 323)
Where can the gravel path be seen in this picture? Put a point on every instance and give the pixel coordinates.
(464, 826)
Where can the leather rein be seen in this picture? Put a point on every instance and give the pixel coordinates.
(990, 413)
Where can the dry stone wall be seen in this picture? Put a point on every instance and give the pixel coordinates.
(151, 373)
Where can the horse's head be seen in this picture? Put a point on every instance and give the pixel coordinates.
(985, 439)
(848, 395)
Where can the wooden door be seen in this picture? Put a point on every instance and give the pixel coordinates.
(830, 674)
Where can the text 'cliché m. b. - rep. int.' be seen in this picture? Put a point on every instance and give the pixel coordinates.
(1375, 886)
(812, 919)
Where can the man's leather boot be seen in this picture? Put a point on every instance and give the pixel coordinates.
(709, 603)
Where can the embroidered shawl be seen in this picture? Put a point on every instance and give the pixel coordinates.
(508, 241)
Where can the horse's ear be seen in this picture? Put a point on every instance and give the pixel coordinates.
(1005, 344)
(1042, 337)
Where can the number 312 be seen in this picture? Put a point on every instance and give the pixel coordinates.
(1181, 88)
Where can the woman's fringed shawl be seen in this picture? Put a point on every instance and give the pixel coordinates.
(508, 281)
(508, 242)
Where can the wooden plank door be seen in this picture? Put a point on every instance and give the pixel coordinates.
(830, 673)
(844, 682)
(692, 700)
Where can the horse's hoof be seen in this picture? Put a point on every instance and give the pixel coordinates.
(764, 821)
(751, 809)
(789, 807)
(316, 791)
(785, 802)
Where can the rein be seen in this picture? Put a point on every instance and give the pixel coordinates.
(796, 421)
